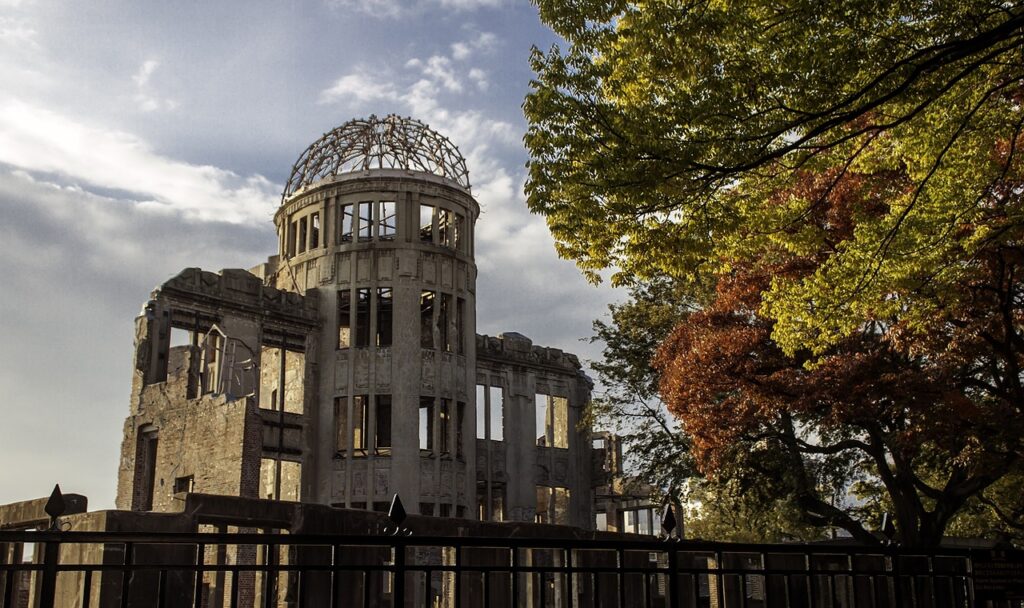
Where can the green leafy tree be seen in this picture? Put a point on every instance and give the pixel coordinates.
(662, 137)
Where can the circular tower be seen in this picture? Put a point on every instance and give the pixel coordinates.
(377, 217)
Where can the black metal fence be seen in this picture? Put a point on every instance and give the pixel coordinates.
(102, 569)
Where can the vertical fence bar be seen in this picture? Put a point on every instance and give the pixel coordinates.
(458, 576)
(161, 589)
(86, 589)
(48, 586)
(271, 576)
(621, 557)
(399, 575)
(197, 589)
(673, 582)
(335, 583)
(234, 585)
(515, 577)
(126, 578)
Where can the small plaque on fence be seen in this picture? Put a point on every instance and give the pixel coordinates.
(999, 576)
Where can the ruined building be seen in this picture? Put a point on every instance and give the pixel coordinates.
(347, 368)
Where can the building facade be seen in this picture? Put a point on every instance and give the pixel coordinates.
(347, 368)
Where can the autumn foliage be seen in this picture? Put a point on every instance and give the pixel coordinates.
(929, 415)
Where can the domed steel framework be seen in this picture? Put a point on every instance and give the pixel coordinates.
(392, 142)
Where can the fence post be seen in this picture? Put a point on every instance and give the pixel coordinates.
(48, 587)
(54, 507)
(399, 562)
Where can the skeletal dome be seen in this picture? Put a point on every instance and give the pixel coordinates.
(392, 142)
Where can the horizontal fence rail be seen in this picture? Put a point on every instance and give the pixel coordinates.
(258, 570)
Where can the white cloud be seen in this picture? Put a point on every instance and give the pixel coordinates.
(39, 140)
(398, 9)
(438, 69)
(484, 42)
(357, 87)
(144, 98)
(17, 31)
(479, 77)
(470, 5)
(146, 70)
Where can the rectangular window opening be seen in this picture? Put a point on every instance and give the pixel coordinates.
(365, 221)
(347, 223)
(384, 316)
(344, 319)
(303, 234)
(481, 408)
(497, 414)
(460, 326)
(388, 220)
(314, 230)
(292, 228)
(183, 485)
(341, 424)
(542, 402)
(362, 317)
(359, 416)
(427, 423)
(427, 319)
(444, 227)
(382, 442)
(444, 335)
(445, 424)
(426, 223)
(460, 418)
(460, 228)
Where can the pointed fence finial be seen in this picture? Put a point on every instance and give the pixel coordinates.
(397, 511)
(888, 528)
(55, 506)
(668, 519)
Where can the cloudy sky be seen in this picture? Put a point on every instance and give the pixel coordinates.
(140, 138)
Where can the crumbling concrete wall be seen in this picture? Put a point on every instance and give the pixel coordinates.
(195, 423)
(518, 464)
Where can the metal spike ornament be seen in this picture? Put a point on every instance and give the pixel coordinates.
(397, 515)
(55, 506)
(668, 520)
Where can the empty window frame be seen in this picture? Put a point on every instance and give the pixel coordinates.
(552, 416)
(347, 229)
(388, 223)
(384, 316)
(314, 230)
(552, 505)
(427, 319)
(426, 423)
(183, 485)
(360, 416)
(641, 520)
(460, 419)
(497, 411)
(382, 436)
(292, 228)
(344, 319)
(481, 411)
(362, 325)
(341, 424)
(365, 221)
(445, 228)
(460, 232)
(444, 421)
(460, 326)
(443, 333)
(489, 423)
(426, 223)
(303, 234)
